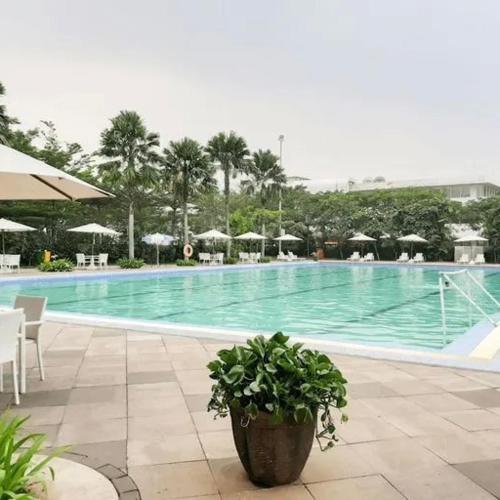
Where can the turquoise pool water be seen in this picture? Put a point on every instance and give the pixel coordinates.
(361, 303)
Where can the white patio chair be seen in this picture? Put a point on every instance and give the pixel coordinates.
(252, 257)
(464, 259)
(34, 309)
(204, 258)
(219, 258)
(10, 325)
(258, 255)
(403, 257)
(479, 259)
(12, 262)
(80, 261)
(102, 260)
(281, 256)
(369, 257)
(1, 262)
(419, 258)
(354, 257)
(291, 256)
(243, 257)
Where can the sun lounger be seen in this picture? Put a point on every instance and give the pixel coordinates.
(355, 257)
(479, 259)
(403, 257)
(369, 257)
(419, 258)
(282, 256)
(292, 256)
(464, 259)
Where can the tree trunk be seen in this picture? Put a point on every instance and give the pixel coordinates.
(185, 224)
(263, 242)
(226, 207)
(131, 248)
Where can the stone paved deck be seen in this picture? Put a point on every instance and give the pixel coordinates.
(138, 401)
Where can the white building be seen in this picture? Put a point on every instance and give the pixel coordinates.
(458, 189)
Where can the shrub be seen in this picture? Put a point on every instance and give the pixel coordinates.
(20, 473)
(57, 266)
(288, 382)
(130, 263)
(230, 260)
(185, 263)
(265, 260)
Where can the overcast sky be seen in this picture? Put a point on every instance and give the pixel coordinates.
(359, 88)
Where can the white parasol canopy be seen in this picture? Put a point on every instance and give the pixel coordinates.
(213, 234)
(94, 229)
(250, 236)
(360, 237)
(8, 226)
(471, 238)
(23, 177)
(413, 238)
(287, 237)
(158, 239)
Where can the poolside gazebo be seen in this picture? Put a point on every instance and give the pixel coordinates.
(471, 245)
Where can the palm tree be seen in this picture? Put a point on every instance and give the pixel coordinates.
(132, 169)
(189, 170)
(5, 119)
(230, 151)
(266, 178)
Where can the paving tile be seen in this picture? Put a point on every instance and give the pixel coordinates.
(370, 390)
(85, 395)
(474, 420)
(42, 398)
(484, 473)
(50, 432)
(174, 449)
(92, 432)
(108, 452)
(444, 402)
(337, 463)
(410, 418)
(453, 382)
(144, 347)
(488, 378)
(485, 398)
(40, 415)
(95, 411)
(218, 444)
(102, 375)
(178, 480)
(146, 400)
(171, 423)
(197, 402)
(358, 488)
(357, 430)
(461, 447)
(106, 345)
(412, 387)
(108, 332)
(443, 483)
(230, 476)
(294, 492)
(205, 422)
(151, 377)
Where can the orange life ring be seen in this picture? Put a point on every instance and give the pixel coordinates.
(188, 250)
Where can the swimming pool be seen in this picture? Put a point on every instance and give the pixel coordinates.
(387, 305)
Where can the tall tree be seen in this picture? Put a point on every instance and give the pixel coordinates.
(5, 120)
(266, 178)
(133, 166)
(189, 170)
(231, 152)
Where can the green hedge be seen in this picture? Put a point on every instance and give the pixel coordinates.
(57, 266)
(130, 263)
(185, 263)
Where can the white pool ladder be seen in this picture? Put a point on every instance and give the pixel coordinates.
(446, 279)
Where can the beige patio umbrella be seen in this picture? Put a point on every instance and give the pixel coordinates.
(23, 177)
(362, 239)
(412, 239)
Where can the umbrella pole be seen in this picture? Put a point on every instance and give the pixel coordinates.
(3, 242)
(158, 255)
(93, 243)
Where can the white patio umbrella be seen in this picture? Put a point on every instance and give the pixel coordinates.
(159, 240)
(362, 239)
(250, 236)
(287, 237)
(8, 226)
(412, 239)
(23, 177)
(94, 229)
(213, 235)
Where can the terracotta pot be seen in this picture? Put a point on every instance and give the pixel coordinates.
(272, 454)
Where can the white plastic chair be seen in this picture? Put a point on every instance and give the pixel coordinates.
(419, 257)
(102, 261)
(10, 262)
(257, 257)
(243, 257)
(80, 261)
(34, 309)
(369, 257)
(403, 257)
(480, 259)
(282, 256)
(10, 325)
(292, 256)
(354, 257)
(464, 259)
(219, 258)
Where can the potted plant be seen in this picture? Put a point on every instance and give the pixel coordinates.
(278, 396)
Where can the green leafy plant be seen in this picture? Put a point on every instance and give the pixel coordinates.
(286, 381)
(185, 263)
(230, 260)
(57, 266)
(265, 260)
(20, 470)
(130, 263)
